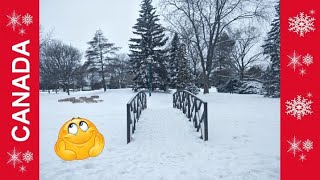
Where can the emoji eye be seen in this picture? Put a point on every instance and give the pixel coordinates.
(83, 126)
(73, 129)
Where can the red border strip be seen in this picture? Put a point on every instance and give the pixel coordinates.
(19, 152)
(301, 163)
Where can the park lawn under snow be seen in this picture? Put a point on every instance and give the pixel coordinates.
(243, 139)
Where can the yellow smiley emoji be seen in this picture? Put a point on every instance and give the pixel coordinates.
(79, 139)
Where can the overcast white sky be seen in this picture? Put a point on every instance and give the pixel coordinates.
(75, 21)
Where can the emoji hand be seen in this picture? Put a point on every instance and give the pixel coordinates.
(98, 145)
(62, 152)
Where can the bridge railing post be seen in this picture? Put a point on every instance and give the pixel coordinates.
(135, 107)
(128, 124)
(205, 121)
(195, 109)
(173, 100)
(189, 106)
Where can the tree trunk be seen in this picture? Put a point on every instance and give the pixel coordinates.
(104, 83)
(102, 73)
(241, 74)
(205, 84)
(67, 88)
(68, 91)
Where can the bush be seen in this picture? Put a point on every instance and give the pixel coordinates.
(192, 88)
(230, 87)
(271, 91)
(244, 87)
(250, 87)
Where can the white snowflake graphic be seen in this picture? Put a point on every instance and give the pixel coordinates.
(14, 157)
(312, 11)
(307, 59)
(299, 107)
(301, 24)
(22, 169)
(22, 31)
(302, 72)
(294, 60)
(302, 157)
(307, 145)
(294, 146)
(14, 20)
(309, 95)
(27, 156)
(27, 19)
(300, 148)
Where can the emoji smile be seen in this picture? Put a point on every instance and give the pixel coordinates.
(80, 143)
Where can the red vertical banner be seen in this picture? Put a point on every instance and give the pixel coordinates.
(19, 90)
(300, 89)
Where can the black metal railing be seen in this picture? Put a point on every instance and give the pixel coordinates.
(195, 109)
(134, 108)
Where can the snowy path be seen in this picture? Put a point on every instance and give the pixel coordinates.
(165, 144)
(164, 128)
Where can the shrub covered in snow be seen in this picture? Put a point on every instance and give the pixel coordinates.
(241, 87)
(231, 86)
(192, 88)
(250, 87)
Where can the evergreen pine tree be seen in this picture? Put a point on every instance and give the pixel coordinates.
(223, 68)
(98, 54)
(272, 49)
(183, 74)
(148, 43)
(179, 71)
(174, 60)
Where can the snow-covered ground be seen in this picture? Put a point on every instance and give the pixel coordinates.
(243, 139)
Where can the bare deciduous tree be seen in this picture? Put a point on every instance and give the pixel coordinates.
(45, 37)
(120, 70)
(243, 56)
(59, 62)
(207, 19)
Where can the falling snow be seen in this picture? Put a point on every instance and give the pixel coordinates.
(301, 24)
(294, 146)
(27, 156)
(307, 59)
(307, 145)
(299, 107)
(27, 19)
(14, 157)
(14, 20)
(294, 60)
